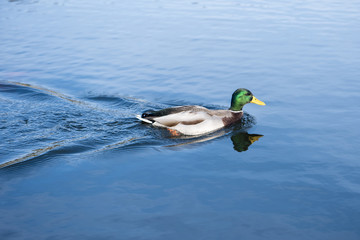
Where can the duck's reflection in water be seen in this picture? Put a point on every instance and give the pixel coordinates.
(241, 140)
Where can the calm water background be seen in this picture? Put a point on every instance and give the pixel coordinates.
(76, 164)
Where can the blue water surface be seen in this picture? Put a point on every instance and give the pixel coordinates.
(77, 164)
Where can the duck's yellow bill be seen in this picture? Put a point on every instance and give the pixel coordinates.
(253, 137)
(257, 101)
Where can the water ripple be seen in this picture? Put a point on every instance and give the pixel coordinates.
(36, 121)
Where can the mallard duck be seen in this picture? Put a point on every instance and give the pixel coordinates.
(198, 120)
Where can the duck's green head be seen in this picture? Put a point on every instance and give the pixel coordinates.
(241, 97)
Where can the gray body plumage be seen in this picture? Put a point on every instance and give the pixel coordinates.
(191, 120)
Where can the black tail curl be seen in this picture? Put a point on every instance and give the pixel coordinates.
(147, 113)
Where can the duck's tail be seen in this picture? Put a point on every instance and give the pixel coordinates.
(143, 119)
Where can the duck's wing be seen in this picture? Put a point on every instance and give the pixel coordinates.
(170, 117)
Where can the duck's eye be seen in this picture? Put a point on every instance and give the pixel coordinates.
(248, 94)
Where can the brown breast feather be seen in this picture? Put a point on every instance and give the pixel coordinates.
(235, 116)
